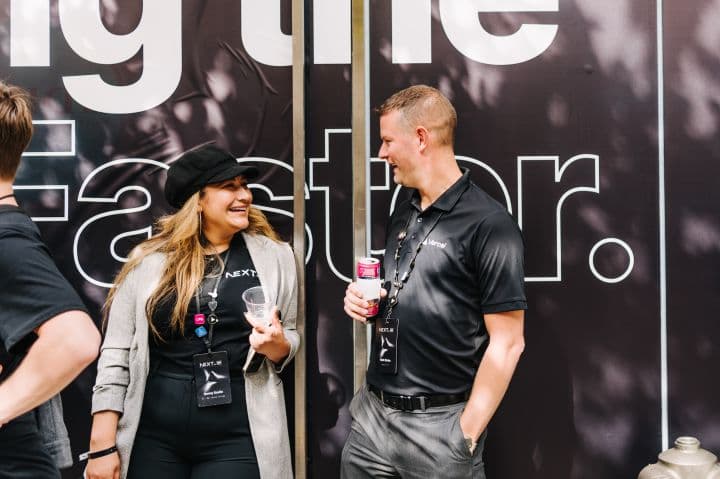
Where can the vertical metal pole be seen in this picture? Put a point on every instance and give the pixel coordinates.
(360, 167)
(662, 204)
(298, 126)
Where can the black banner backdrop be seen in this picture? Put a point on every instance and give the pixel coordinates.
(692, 97)
(558, 110)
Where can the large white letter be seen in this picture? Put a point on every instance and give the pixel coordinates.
(587, 159)
(159, 34)
(411, 33)
(331, 31)
(29, 33)
(93, 182)
(261, 34)
(463, 29)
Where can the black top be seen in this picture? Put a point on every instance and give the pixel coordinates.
(231, 333)
(471, 263)
(32, 289)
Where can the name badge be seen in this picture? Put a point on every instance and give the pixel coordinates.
(212, 378)
(386, 335)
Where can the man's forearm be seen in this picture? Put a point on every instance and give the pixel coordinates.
(66, 345)
(494, 373)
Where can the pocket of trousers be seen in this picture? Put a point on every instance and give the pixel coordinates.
(456, 439)
(355, 401)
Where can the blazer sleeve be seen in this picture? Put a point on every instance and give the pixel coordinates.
(288, 296)
(113, 369)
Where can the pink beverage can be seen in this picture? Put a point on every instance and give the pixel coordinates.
(368, 282)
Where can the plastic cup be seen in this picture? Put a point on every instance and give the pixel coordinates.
(258, 304)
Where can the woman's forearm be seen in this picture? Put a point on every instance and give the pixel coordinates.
(104, 430)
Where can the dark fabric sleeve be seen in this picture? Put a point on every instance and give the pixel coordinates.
(498, 254)
(33, 290)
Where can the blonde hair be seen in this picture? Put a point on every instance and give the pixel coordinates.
(179, 237)
(16, 128)
(422, 105)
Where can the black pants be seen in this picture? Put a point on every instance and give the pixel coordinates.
(178, 440)
(22, 454)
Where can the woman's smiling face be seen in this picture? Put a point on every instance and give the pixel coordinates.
(225, 207)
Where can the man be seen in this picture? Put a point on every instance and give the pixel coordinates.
(450, 331)
(46, 336)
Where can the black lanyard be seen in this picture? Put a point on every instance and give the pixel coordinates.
(398, 283)
(212, 318)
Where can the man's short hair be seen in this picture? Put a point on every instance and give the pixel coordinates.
(422, 105)
(16, 128)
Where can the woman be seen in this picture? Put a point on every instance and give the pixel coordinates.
(176, 331)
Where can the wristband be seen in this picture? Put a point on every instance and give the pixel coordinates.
(96, 454)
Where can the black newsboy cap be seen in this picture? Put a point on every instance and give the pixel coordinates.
(202, 166)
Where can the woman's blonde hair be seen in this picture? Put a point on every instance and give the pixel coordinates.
(179, 237)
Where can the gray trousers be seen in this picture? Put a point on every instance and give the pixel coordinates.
(385, 442)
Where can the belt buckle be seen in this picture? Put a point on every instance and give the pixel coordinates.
(406, 403)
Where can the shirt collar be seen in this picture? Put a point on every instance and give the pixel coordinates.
(4, 208)
(447, 200)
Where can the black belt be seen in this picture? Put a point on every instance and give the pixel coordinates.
(413, 403)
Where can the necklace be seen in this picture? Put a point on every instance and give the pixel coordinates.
(399, 282)
(212, 318)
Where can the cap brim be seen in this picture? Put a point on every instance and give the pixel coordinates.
(247, 171)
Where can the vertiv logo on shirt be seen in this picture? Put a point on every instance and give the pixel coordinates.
(434, 243)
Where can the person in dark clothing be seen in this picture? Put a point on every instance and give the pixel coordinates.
(46, 335)
(450, 329)
(187, 383)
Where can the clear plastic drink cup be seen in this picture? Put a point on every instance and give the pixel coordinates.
(258, 304)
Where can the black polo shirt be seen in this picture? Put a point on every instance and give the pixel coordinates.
(470, 264)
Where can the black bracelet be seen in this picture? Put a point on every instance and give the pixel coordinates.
(96, 454)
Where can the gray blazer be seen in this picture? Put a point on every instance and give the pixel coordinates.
(54, 434)
(124, 357)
